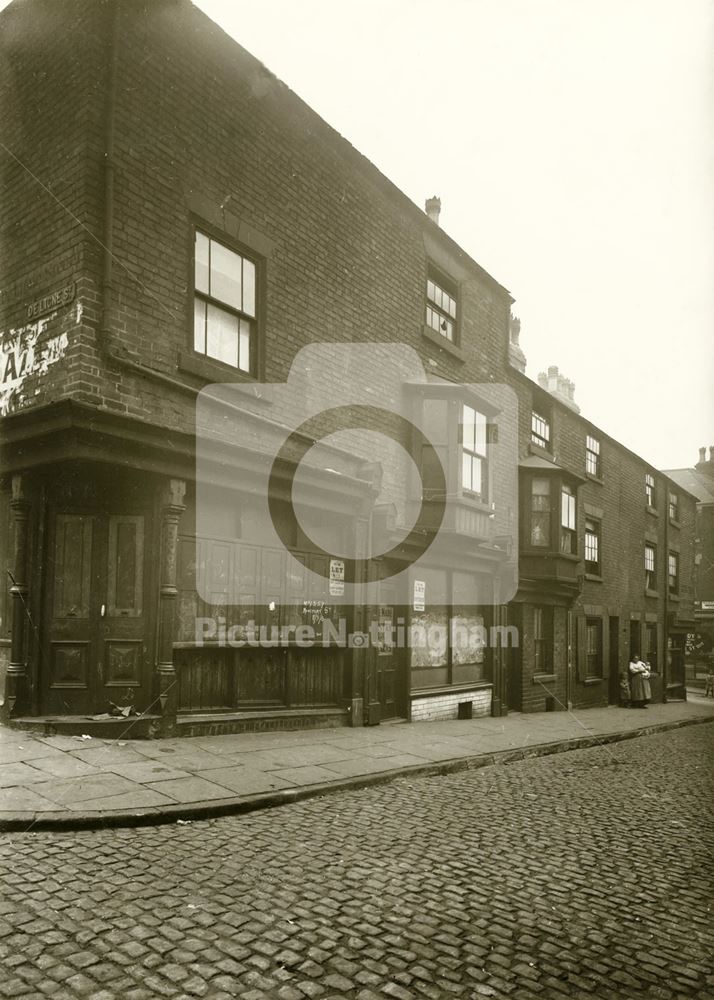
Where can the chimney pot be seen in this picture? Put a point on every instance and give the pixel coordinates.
(702, 454)
(711, 452)
(433, 208)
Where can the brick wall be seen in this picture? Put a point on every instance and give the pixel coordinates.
(50, 117)
(617, 500)
(437, 707)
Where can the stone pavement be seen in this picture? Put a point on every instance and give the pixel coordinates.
(71, 781)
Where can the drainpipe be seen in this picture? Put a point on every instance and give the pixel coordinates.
(665, 651)
(107, 284)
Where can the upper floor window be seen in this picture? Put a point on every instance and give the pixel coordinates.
(673, 572)
(592, 456)
(650, 567)
(567, 520)
(673, 507)
(474, 463)
(592, 546)
(441, 308)
(650, 490)
(540, 512)
(540, 430)
(224, 304)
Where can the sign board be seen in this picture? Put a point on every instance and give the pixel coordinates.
(47, 304)
(707, 605)
(337, 577)
(419, 595)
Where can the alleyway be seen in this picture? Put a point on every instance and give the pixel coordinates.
(578, 875)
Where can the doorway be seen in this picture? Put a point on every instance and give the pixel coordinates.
(614, 680)
(95, 641)
(390, 656)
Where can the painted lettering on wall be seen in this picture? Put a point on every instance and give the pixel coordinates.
(49, 303)
(23, 352)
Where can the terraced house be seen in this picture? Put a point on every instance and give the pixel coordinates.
(175, 218)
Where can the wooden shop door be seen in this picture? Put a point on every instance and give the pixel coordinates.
(390, 657)
(95, 645)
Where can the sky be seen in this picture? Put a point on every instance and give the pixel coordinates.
(570, 142)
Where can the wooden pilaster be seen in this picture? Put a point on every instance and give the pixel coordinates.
(172, 507)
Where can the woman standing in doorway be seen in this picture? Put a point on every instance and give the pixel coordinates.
(639, 682)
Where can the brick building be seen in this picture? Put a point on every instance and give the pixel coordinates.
(174, 217)
(699, 481)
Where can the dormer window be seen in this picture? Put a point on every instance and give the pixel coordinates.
(540, 429)
(441, 307)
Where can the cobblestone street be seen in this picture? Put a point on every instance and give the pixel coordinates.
(582, 874)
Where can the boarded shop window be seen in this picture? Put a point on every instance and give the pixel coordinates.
(224, 304)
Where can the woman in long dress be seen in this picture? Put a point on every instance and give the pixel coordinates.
(640, 691)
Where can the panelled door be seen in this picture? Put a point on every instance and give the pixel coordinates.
(95, 637)
(390, 657)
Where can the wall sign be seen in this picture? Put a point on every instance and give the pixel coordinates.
(48, 303)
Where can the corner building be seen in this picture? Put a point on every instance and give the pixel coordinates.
(174, 217)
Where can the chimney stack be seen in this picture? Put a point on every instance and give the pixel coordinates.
(711, 452)
(559, 386)
(702, 454)
(515, 352)
(433, 208)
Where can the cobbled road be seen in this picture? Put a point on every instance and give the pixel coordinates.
(577, 875)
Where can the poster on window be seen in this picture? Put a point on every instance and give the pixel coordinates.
(337, 577)
(419, 595)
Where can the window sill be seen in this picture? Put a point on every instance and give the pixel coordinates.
(446, 345)
(652, 510)
(651, 593)
(674, 522)
(589, 681)
(595, 479)
(210, 371)
(543, 678)
(539, 449)
(673, 597)
(595, 577)
(548, 553)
